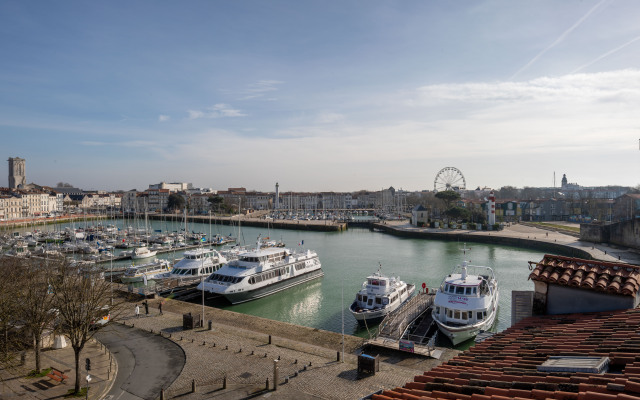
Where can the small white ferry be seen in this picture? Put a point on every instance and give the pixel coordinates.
(261, 272)
(466, 302)
(142, 252)
(196, 263)
(146, 272)
(379, 296)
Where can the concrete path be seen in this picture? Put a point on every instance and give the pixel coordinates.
(146, 363)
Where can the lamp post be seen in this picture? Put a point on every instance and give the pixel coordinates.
(88, 380)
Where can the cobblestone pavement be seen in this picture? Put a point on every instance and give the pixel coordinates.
(15, 385)
(247, 359)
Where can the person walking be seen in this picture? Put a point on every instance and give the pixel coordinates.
(137, 311)
(160, 307)
(146, 307)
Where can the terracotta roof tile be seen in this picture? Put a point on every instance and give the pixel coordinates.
(488, 372)
(615, 278)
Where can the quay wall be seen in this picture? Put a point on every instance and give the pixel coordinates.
(319, 226)
(490, 238)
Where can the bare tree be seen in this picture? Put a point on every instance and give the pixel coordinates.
(9, 300)
(36, 304)
(82, 295)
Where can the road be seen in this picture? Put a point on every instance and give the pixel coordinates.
(146, 362)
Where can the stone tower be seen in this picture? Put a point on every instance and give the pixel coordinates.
(277, 196)
(17, 175)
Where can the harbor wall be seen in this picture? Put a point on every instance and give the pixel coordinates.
(319, 226)
(489, 238)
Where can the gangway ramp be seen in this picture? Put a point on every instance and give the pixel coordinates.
(395, 324)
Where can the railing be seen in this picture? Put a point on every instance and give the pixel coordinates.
(396, 322)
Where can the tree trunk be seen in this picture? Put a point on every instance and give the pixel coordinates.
(36, 350)
(77, 355)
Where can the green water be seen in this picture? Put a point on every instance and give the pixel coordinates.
(348, 257)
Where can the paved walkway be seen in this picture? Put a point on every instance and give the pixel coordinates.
(14, 385)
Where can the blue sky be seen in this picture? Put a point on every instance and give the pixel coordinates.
(321, 95)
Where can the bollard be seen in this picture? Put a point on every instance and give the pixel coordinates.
(275, 374)
(193, 386)
(204, 343)
(251, 352)
(338, 356)
(224, 382)
(214, 345)
(161, 394)
(267, 385)
(265, 355)
(296, 361)
(240, 351)
(269, 339)
(210, 325)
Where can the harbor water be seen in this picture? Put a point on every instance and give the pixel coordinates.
(347, 258)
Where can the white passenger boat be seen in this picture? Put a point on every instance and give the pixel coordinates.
(466, 302)
(142, 252)
(379, 296)
(261, 272)
(196, 263)
(146, 272)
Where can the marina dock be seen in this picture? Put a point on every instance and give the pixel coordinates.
(408, 328)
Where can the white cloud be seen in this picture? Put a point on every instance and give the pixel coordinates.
(163, 118)
(216, 111)
(259, 89)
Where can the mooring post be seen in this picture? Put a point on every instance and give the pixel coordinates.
(275, 374)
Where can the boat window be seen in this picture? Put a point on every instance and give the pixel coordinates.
(456, 314)
(437, 310)
(468, 291)
(370, 302)
(459, 290)
(252, 280)
(464, 315)
(484, 314)
(479, 315)
(194, 271)
(452, 289)
(364, 298)
(475, 290)
(385, 300)
(449, 313)
(378, 300)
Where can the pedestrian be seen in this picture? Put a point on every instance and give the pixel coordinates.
(146, 307)
(160, 307)
(137, 311)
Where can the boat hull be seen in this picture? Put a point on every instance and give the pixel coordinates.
(369, 317)
(459, 334)
(241, 297)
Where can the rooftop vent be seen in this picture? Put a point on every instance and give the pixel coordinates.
(593, 365)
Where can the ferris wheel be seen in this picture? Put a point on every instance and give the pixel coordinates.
(449, 178)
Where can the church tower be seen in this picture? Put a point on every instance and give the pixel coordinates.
(17, 175)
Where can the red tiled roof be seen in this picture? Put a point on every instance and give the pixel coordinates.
(614, 278)
(505, 365)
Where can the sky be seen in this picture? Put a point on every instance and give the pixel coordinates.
(321, 95)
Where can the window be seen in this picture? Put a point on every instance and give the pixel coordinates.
(437, 310)
(468, 291)
(464, 315)
(449, 314)
(378, 300)
(459, 290)
(479, 315)
(456, 314)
